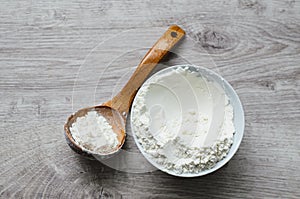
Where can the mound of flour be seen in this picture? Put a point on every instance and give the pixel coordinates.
(183, 121)
(94, 133)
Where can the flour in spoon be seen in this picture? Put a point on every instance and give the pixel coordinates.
(94, 133)
(182, 121)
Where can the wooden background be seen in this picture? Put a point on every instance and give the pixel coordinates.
(51, 56)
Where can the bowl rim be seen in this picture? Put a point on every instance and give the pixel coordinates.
(234, 147)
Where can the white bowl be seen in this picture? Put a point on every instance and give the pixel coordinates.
(239, 121)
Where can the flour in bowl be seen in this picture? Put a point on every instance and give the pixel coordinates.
(182, 121)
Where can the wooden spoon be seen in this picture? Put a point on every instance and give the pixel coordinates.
(115, 111)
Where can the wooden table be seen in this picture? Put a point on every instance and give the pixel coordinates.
(56, 57)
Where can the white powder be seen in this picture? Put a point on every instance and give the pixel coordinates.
(94, 133)
(182, 121)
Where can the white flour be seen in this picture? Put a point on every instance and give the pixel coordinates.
(94, 133)
(182, 121)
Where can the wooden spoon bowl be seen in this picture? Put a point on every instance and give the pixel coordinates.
(113, 117)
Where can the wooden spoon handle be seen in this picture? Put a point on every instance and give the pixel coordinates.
(122, 101)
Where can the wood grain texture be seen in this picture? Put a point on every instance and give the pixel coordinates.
(49, 59)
